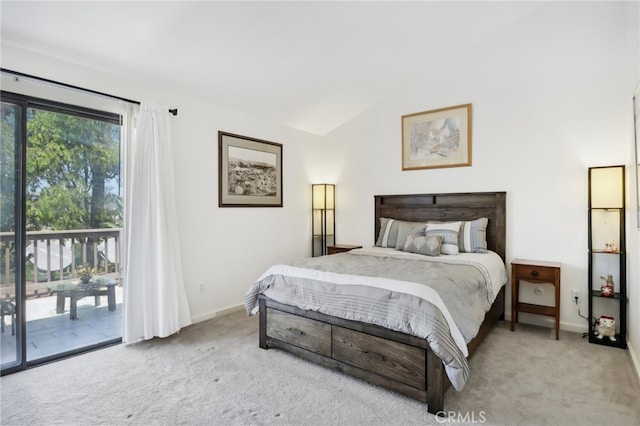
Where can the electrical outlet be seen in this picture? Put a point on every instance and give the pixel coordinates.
(576, 296)
(201, 290)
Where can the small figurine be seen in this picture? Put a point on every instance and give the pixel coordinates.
(607, 289)
(610, 247)
(606, 327)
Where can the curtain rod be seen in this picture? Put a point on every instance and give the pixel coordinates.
(172, 111)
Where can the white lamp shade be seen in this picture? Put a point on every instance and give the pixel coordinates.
(607, 187)
(323, 196)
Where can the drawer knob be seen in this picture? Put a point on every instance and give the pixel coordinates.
(295, 331)
(535, 273)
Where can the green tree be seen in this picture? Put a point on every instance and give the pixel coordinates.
(73, 170)
(7, 167)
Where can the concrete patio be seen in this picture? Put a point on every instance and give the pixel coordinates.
(49, 333)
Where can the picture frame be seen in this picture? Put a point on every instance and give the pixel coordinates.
(437, 138)
(249, 172)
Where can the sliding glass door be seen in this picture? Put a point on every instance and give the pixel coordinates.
(61, 245)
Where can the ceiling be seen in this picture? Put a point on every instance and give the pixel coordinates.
(308, 65)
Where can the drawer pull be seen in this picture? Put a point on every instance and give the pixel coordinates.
(372, 355)
(295, 331)
(535, 273)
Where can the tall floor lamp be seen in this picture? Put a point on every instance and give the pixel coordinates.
(323, 218)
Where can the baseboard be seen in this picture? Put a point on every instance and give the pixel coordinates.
(219, 313)
(544, 321)
(634, 360)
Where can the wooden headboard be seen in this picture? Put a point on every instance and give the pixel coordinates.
(449, 207)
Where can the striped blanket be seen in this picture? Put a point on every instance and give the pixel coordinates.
(442, 299)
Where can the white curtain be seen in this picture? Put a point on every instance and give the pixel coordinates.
(155, 302)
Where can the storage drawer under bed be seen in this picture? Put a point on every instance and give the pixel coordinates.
(305, 333)
(397, 361)
(394, 360)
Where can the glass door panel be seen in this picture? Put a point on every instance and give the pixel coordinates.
(9, 284)
(73, 219)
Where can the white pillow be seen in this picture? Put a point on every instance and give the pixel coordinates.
(449, 232)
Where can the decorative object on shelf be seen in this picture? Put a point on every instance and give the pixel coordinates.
(323, 218)
(607, 289)
(85, 272)
(607, 256)
(437, 138)
(249, 172)
(606, 327)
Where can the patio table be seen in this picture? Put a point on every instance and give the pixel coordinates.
(76, 290)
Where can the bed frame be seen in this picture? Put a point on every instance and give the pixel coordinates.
(384, 357)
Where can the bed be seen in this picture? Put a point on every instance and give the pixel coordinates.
(421, 358)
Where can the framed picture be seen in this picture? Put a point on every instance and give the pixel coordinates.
(437, 138)
(249, 172)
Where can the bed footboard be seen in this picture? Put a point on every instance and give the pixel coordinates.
(384, 357)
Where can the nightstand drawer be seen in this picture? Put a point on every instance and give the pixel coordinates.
(526, 272)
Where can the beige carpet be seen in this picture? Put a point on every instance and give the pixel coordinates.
(213, 373)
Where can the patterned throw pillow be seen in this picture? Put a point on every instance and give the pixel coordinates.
(422, 244)
(449, 232)
(473, 236)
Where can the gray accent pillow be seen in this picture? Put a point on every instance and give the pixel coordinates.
(405, 229)
(422, 244)
(389, 230)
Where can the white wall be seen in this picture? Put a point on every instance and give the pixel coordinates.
(227, 249)
(551, 96)
(633, 241)
(224, 250)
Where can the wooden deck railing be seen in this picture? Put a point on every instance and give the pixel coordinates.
(99, 248)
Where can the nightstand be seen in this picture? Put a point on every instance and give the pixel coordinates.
(340, 248)
(534, 272)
